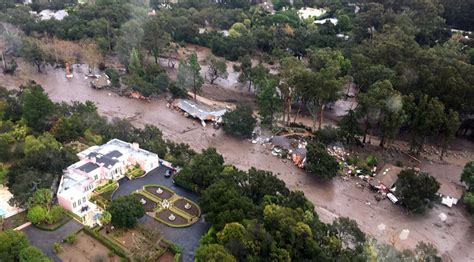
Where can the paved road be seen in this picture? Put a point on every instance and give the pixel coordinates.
(188, 237)
(44, 240)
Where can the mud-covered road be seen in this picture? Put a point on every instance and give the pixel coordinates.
(454, 238)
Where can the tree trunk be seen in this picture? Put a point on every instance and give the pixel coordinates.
(289, 112)
(366, 131)
(321, 109)
(38, 66)
(297, 112)
(382, 141)
(4, 62)
(250, 85)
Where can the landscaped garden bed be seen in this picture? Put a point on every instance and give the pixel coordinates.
(110, 186)
(135, 172)
(51, 227)
(86, 248)
(178, 221)
(104, 194)
(159, 192)
(187, 206)
(148, 204)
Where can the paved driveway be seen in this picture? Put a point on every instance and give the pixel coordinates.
(188, 237)
(44, 240)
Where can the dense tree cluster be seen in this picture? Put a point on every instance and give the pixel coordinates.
(399, 54)
(14, 246)
(467, 176)
(125, 211)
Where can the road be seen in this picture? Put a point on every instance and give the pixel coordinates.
(454, 239)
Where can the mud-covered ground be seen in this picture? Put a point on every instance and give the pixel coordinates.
(454, 238)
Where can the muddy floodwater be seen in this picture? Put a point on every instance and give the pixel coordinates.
(453, 238)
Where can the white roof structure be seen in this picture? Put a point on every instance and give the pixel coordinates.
(323, 21)
(50, 14)
(307, 12)
(200, 111)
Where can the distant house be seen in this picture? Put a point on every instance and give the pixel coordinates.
(450, 192)
(50, 14)
(386, 177)
(97, 165)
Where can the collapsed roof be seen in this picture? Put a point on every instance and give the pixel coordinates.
(200, 111)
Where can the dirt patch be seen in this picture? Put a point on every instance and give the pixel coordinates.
(179, 220)
(149, 205)
(86, 249)
(163, 195)
(193, 211)
(125, 237)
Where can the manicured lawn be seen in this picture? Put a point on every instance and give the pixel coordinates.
(86, 248)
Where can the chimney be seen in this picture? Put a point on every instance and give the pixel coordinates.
(135, 146)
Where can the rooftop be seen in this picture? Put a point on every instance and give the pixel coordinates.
(388, 175)
(88, 167)
(200, 111)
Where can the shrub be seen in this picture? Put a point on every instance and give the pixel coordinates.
(55, 214)
(327, 135)
(177, 91)
(469, 201)
(371, 160)
(70, 239)
(37, 214)
(57, 247)
(114, 76)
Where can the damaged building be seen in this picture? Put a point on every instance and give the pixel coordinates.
(200, 111)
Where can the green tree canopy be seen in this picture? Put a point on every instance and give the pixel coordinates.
(467, 175)
(320, 162)
(11, 245)
(33, 254)
(239, 122)
(213, 253)
(415, 189)
(37, 108)
(189, 74)
(125, 211)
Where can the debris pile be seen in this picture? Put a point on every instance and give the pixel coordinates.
(291, 147)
